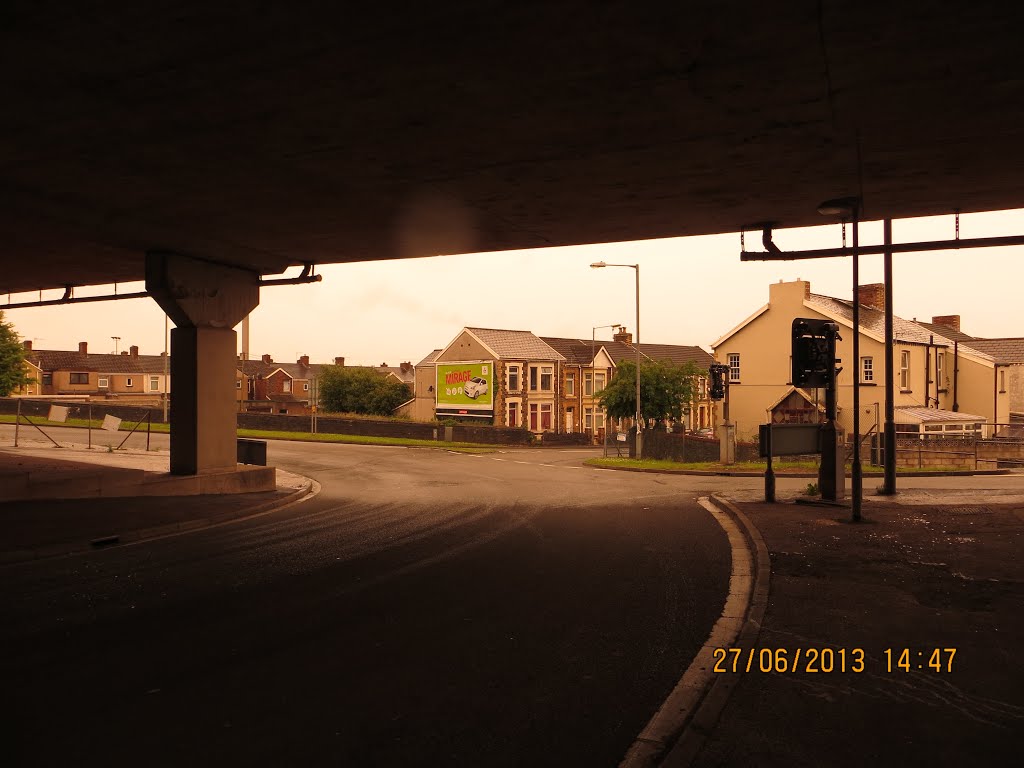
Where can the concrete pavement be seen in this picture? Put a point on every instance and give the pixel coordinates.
(80, 499)
(891, 642)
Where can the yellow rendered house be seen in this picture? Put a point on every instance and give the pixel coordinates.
(942, 382)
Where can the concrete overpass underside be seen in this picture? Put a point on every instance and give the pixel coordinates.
(263, 139)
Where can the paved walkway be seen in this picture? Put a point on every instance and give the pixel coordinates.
(923, 603)
(35, 528)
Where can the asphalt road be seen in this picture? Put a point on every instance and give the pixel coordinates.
(427, 608)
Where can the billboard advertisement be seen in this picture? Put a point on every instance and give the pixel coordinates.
(465, 388)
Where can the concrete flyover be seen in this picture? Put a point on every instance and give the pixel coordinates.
(248, 143)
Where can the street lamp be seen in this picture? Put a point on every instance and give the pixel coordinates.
(848, 208)
(639, 421)
(593, 382)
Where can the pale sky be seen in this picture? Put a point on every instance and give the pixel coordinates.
(692, 291)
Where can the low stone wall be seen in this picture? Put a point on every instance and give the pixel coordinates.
(567, 438)
(274, 422)
(415, 430)
(80, 410)
(676, 446)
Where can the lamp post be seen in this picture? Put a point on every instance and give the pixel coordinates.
(593, 382)
(167, 388)
(849, 208)
(639, 421)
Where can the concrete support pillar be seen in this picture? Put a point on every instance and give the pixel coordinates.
(205, 301)
(203, 412)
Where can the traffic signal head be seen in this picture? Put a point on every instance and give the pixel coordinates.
(814, 352)
(716, 390)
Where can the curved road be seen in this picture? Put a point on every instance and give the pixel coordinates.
(427, 608)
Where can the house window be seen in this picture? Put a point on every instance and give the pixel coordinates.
(588, 384)
(305, 386)
(541, 377)
(79, 378)
(570, 385)
(286, 385)
(512, 413)
(238, 383)
(128, 381)
(154, 383)
(702, 388)
(514, 384)
(599, 419)
(47, 378)
(867, 370)
(103, 382)
(588, 419)
(905, 369)
(940, 368)
(734, 368)
(598, 382)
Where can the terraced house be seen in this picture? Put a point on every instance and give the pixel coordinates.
(128, 377)
(544, 384)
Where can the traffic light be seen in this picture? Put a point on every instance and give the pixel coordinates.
(717, 389)
(814, 352)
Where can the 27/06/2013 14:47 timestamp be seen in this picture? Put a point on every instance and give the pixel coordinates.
(825, 660)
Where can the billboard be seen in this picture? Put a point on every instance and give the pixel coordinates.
(465, 389)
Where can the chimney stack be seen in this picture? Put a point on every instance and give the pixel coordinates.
(304, 361)
(28, 345)
(134, 350)
(267, 359)
(623, 335)
(872, 295)
(124, 353)
(406, 367)
(950, 321)
(339, 361)
(83, 348)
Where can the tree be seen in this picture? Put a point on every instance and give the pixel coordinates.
(12, 359)
(360, 390)
(665, 389)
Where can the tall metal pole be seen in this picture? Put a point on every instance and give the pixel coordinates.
(889, 483)
(856, 478)
(593, 386)
(166, 388)
(639, 424)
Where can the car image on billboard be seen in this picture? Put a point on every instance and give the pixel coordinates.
(475, 387)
